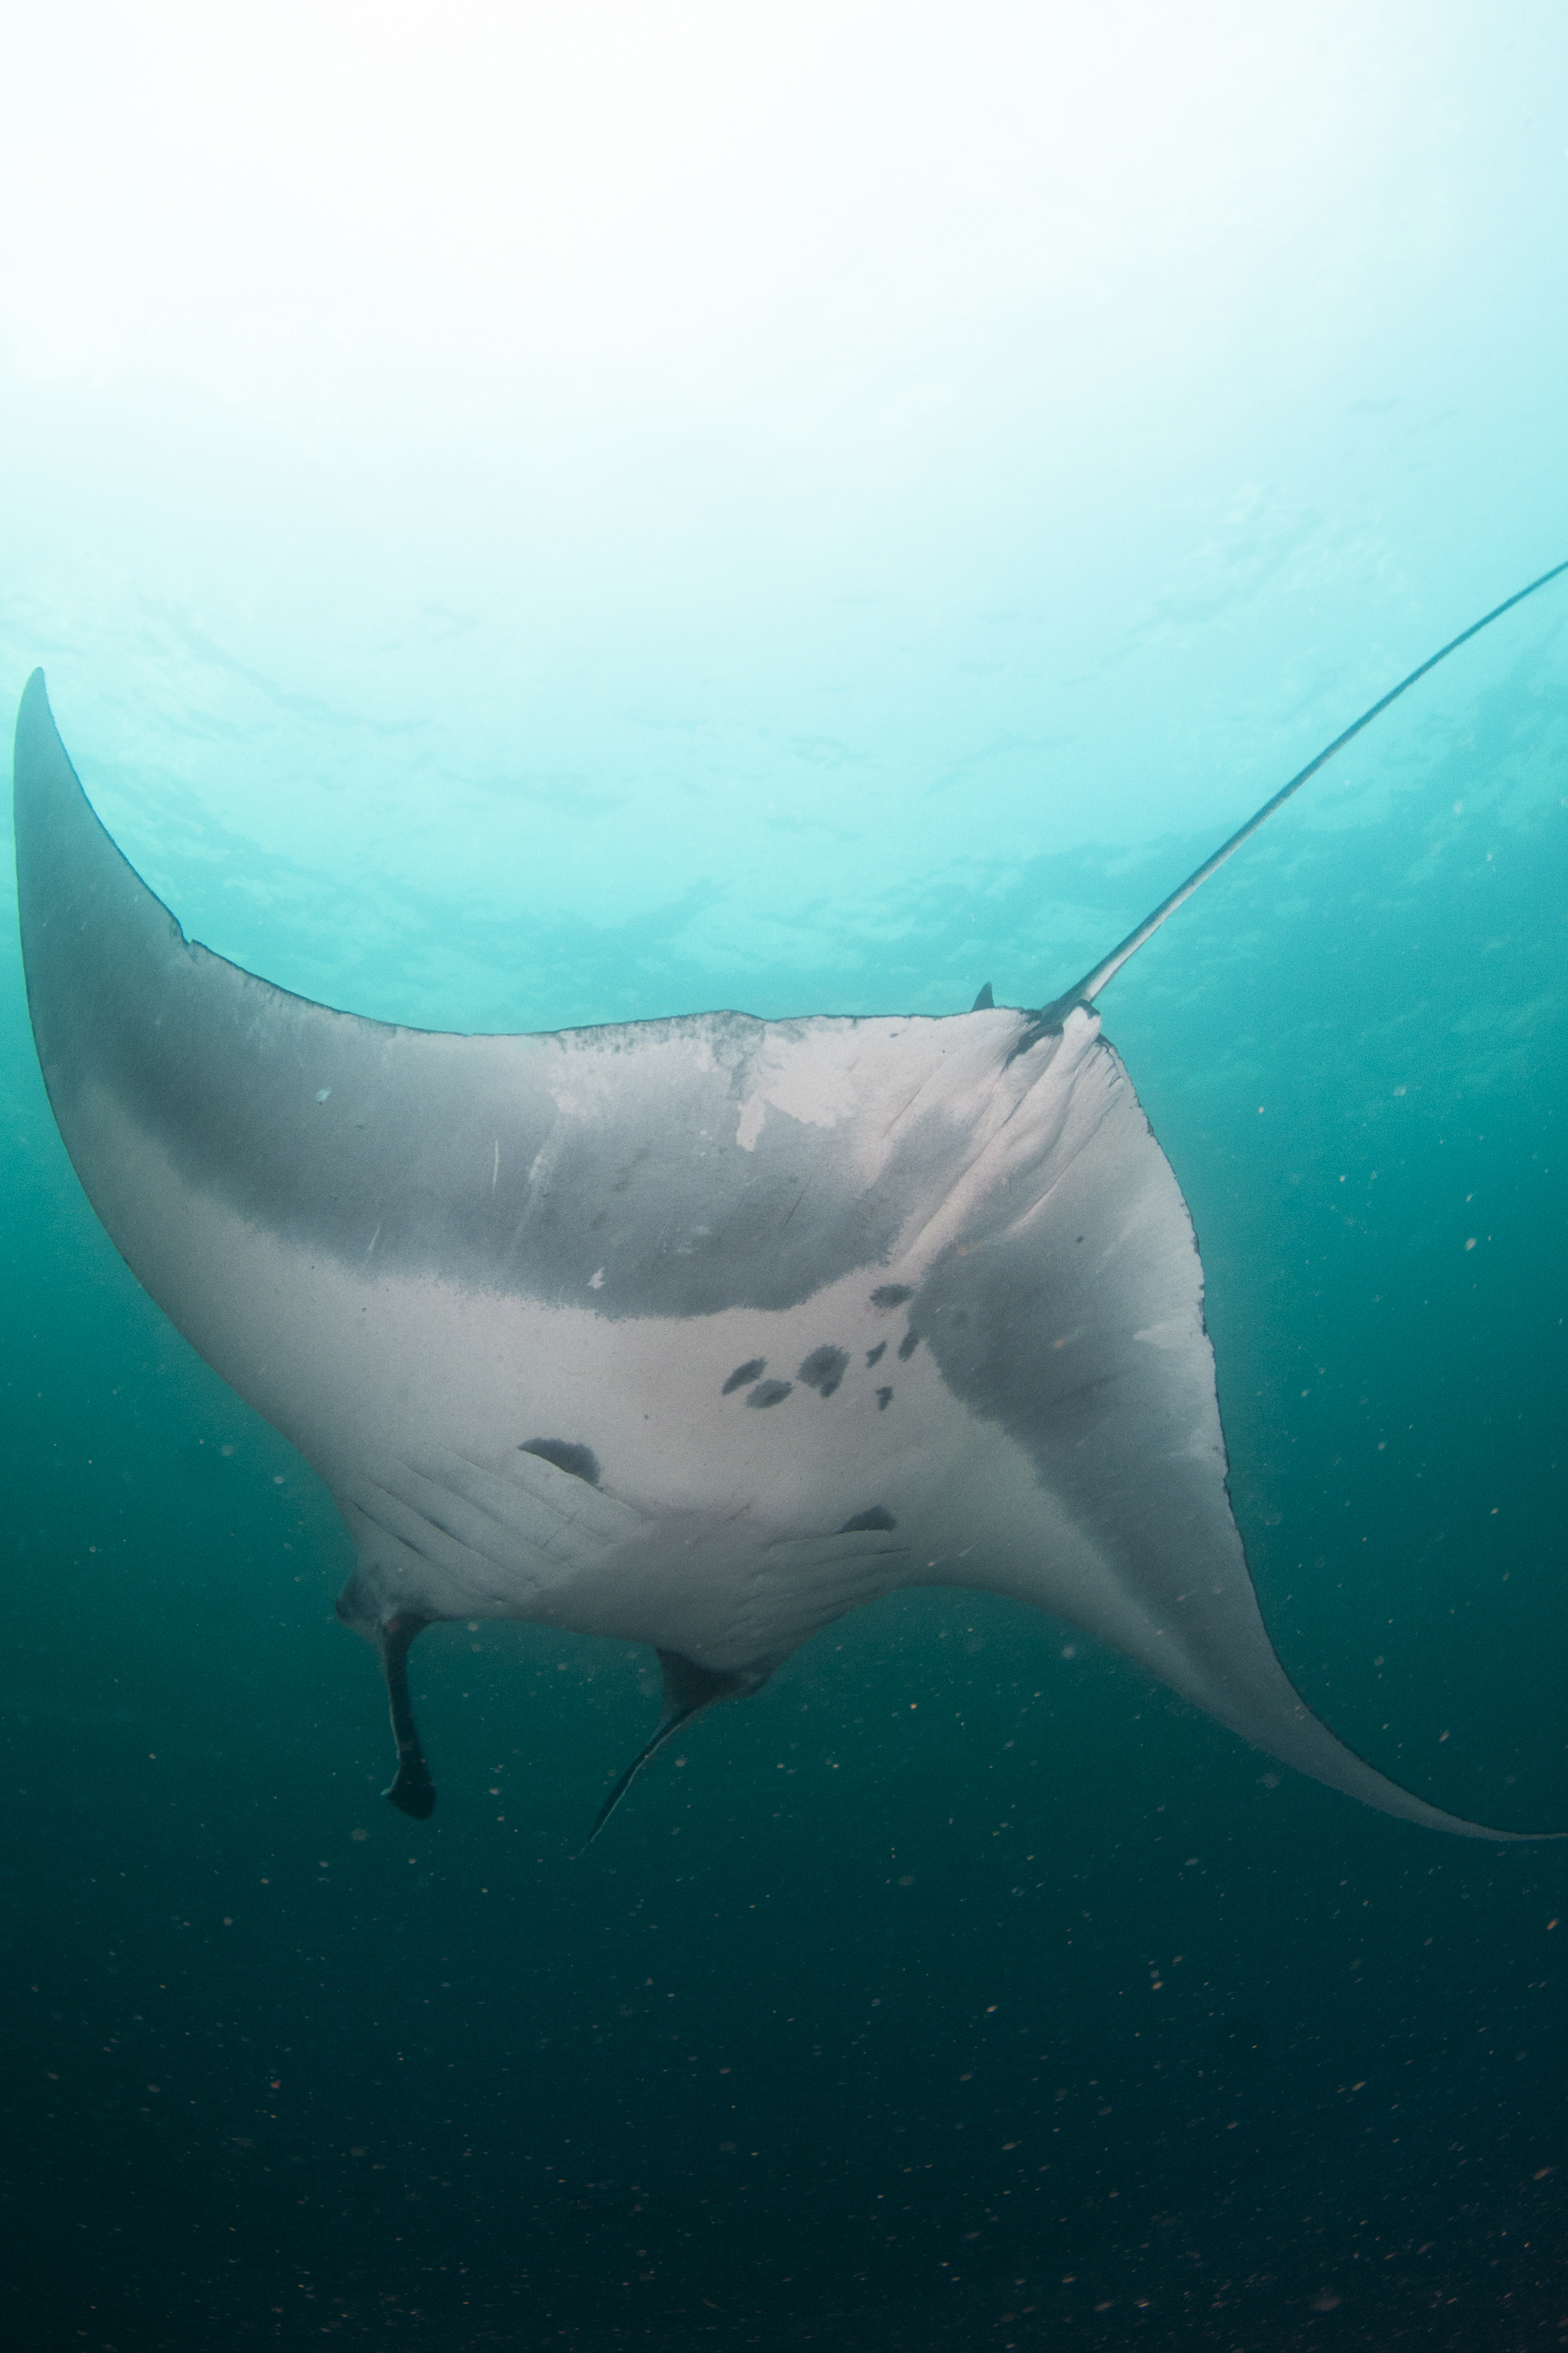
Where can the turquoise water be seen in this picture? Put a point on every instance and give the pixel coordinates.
(836, 650)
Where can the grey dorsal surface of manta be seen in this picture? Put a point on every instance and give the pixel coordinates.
(696, 1333)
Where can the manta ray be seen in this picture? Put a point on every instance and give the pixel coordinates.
(695, 1332)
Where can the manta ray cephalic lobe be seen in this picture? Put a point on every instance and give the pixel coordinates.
(696, 1333)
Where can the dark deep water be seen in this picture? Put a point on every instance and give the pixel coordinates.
(960, 1989)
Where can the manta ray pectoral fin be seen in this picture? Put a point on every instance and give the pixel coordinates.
(688, 1689)
(412, 1791)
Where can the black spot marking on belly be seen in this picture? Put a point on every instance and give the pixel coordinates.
(770, 1393)
(875, 1355)
(622, 1181)
(892, 1294)
(908, 1345)
(823, 1369)
(578, 1462)
(877, 1520)
(883, 1400)
(744, 1374)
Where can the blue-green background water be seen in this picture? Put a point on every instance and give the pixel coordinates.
(811, 513)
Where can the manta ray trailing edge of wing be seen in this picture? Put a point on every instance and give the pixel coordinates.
(824, 1308)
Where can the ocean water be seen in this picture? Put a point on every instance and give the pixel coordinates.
(533, 527)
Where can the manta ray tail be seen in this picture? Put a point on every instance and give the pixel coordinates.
(1051, 1017)
(688, 1689)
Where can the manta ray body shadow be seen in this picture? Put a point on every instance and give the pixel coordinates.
(696, 1333)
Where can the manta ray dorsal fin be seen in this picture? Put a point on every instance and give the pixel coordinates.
(1052, 1016)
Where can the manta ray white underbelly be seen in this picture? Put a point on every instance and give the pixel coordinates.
(695, 1332)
